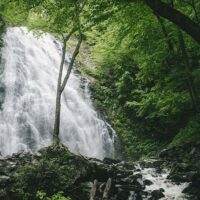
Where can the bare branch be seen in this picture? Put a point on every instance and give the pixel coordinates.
(76, 51)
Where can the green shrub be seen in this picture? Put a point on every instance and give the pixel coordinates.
(59, 196)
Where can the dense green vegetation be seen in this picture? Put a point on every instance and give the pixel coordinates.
(147, 62)
(147, 77)
(145, 58)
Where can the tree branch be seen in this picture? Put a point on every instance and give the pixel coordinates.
(76, 51)
(65, 39)
(185, 23)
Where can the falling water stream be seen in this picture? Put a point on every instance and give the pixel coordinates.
(28, 77)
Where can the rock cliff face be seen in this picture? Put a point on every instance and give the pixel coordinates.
(54, 169)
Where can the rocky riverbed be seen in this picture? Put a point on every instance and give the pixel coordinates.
(172, 175)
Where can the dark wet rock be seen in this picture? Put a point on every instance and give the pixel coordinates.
(179, 178)
(147, 182)
(128, 166)
(193, 188)
(157, 194)
(151, 163)
(193, 191)
(123, 174)
(137, 170)
(4, 180)
(86, 186)
(196, 179)
(184, 161)
(122, 194)
(127, 187)
(110, 161)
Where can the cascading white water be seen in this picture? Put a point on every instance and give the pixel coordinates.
(29, 72)
(159, 180)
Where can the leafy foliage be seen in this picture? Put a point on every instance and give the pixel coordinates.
(145, 76)
(59, 196)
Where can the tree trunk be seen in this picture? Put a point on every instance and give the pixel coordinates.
(189, 80)
(76, 51)
(58, 99)
(61, 86)
(58, 95)
(185, 23)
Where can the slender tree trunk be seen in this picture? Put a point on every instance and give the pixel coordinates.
(61, 86)
(58, 98)
(76, 51)
(58, 95)
(189, 81)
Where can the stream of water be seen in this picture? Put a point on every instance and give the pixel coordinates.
(159, 181)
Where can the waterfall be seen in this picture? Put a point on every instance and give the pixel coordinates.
(28, 78)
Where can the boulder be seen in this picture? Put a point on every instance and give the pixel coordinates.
(157, 194)
(147, 182)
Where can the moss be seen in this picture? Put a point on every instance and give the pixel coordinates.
(56, 170)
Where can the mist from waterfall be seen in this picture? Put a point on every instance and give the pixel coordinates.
(28, 78)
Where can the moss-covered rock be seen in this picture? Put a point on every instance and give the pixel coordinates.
(51, 170)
